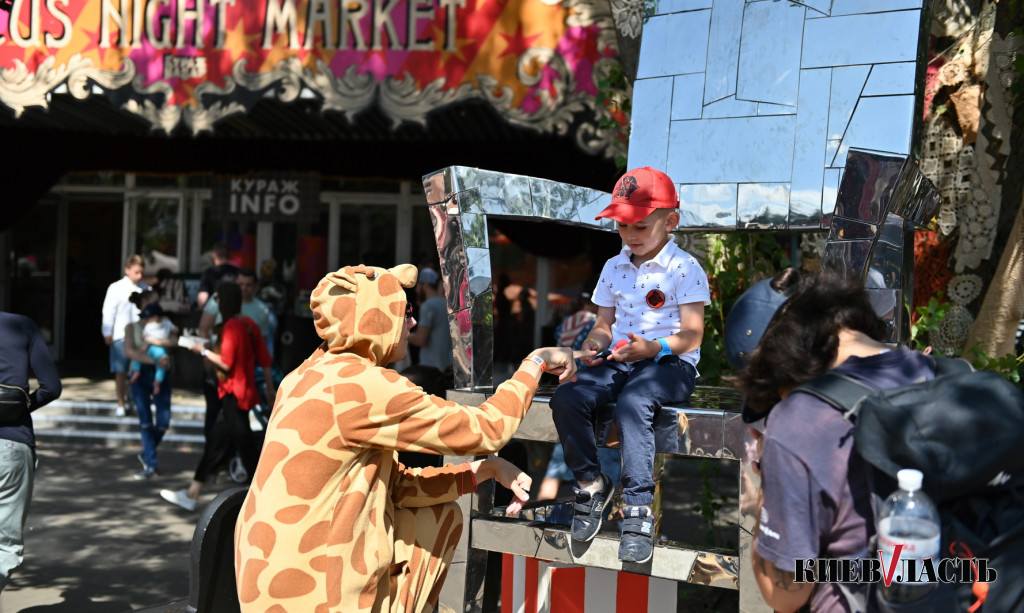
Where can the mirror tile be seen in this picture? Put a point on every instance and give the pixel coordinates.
(474, 229)
(732, 150)
(665, 53)
(652, 108)
(891, 79)
(479, 271)
(763, 206)
(462, 348)
(879, 124)
(686, 100)
(769, 62)
(663, 7)
(707, 206)
(847, 83)
(848, 258)
(873, 38)
(849, 7)
(851, 229)
(724, 44)
(518, 200)
(766, 108)
(868, 185)
(829, 195)
(729, 107)
(811, 129)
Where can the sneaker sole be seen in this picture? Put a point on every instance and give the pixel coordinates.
(644, 561)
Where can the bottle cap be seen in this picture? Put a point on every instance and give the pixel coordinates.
(909, 479)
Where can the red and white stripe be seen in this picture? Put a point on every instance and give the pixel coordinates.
(529, 585)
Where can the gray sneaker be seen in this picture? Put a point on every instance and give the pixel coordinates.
(637, 544)
(589, 510)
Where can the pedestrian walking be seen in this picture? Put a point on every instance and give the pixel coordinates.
(22, 349)
(118, 312)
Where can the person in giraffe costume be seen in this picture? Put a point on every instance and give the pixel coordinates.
(333, 522)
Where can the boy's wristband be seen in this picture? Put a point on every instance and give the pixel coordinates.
(665, 349)
(539, 361)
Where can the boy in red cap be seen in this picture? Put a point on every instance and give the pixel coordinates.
(650, 301)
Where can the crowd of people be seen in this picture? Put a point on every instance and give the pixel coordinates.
(349, 509)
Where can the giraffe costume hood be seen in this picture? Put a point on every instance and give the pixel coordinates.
(332, 521)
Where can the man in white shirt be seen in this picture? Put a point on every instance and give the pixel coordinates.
(118, 312)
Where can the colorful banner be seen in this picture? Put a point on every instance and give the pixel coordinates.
(193, 62)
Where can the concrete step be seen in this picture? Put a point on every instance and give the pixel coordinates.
(96, 423)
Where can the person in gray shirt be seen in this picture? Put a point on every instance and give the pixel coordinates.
(432, 334)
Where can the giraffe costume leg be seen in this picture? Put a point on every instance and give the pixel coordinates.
(425, 540)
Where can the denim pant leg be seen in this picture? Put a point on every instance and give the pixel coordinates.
(163, 416)
(142, 394)
(572, 410)
(651, 385)
(17, 473)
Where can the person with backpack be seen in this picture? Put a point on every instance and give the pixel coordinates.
(842, 414)
(816, 499)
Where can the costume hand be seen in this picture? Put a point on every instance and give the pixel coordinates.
(561, 361)
(509, 475)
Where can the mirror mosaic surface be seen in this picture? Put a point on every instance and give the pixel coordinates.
(769, 115)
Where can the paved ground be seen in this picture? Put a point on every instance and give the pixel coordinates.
(98, 541)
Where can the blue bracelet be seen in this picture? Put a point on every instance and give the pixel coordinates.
(665, 349)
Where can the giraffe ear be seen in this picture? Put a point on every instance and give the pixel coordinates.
(406, 274)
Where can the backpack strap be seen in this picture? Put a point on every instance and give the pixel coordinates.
(950, 366)
(839, 391)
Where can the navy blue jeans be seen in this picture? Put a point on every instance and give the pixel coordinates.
(152, 431)
(638, 389)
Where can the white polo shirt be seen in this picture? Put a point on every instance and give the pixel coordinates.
(647, 299)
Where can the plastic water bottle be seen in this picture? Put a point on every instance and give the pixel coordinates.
(908, 517)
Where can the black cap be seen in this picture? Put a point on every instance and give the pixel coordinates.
(151, 309)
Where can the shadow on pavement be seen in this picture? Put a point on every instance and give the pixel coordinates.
(99, 541)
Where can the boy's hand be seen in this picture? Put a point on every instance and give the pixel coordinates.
(591, 347)
(636, 349)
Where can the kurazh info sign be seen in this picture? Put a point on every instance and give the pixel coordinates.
(193, 62)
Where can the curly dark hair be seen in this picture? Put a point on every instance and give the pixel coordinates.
(802, 340)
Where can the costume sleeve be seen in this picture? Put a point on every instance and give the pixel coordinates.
(387, 411)
(424, 487)
(44, 370)
(789, 521)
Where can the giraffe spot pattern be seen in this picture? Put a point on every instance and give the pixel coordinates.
(348, 510)
(401, 403)
(248, 590)
(314, 537)
(348, 392)
(307, 472)
(273, 453)
(292, 514)
(375, 322)
(262, 536)
(456, 432)
(306, 383)
(312, 420)
(291, 583)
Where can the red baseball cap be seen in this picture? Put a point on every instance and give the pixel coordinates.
(638, 192)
